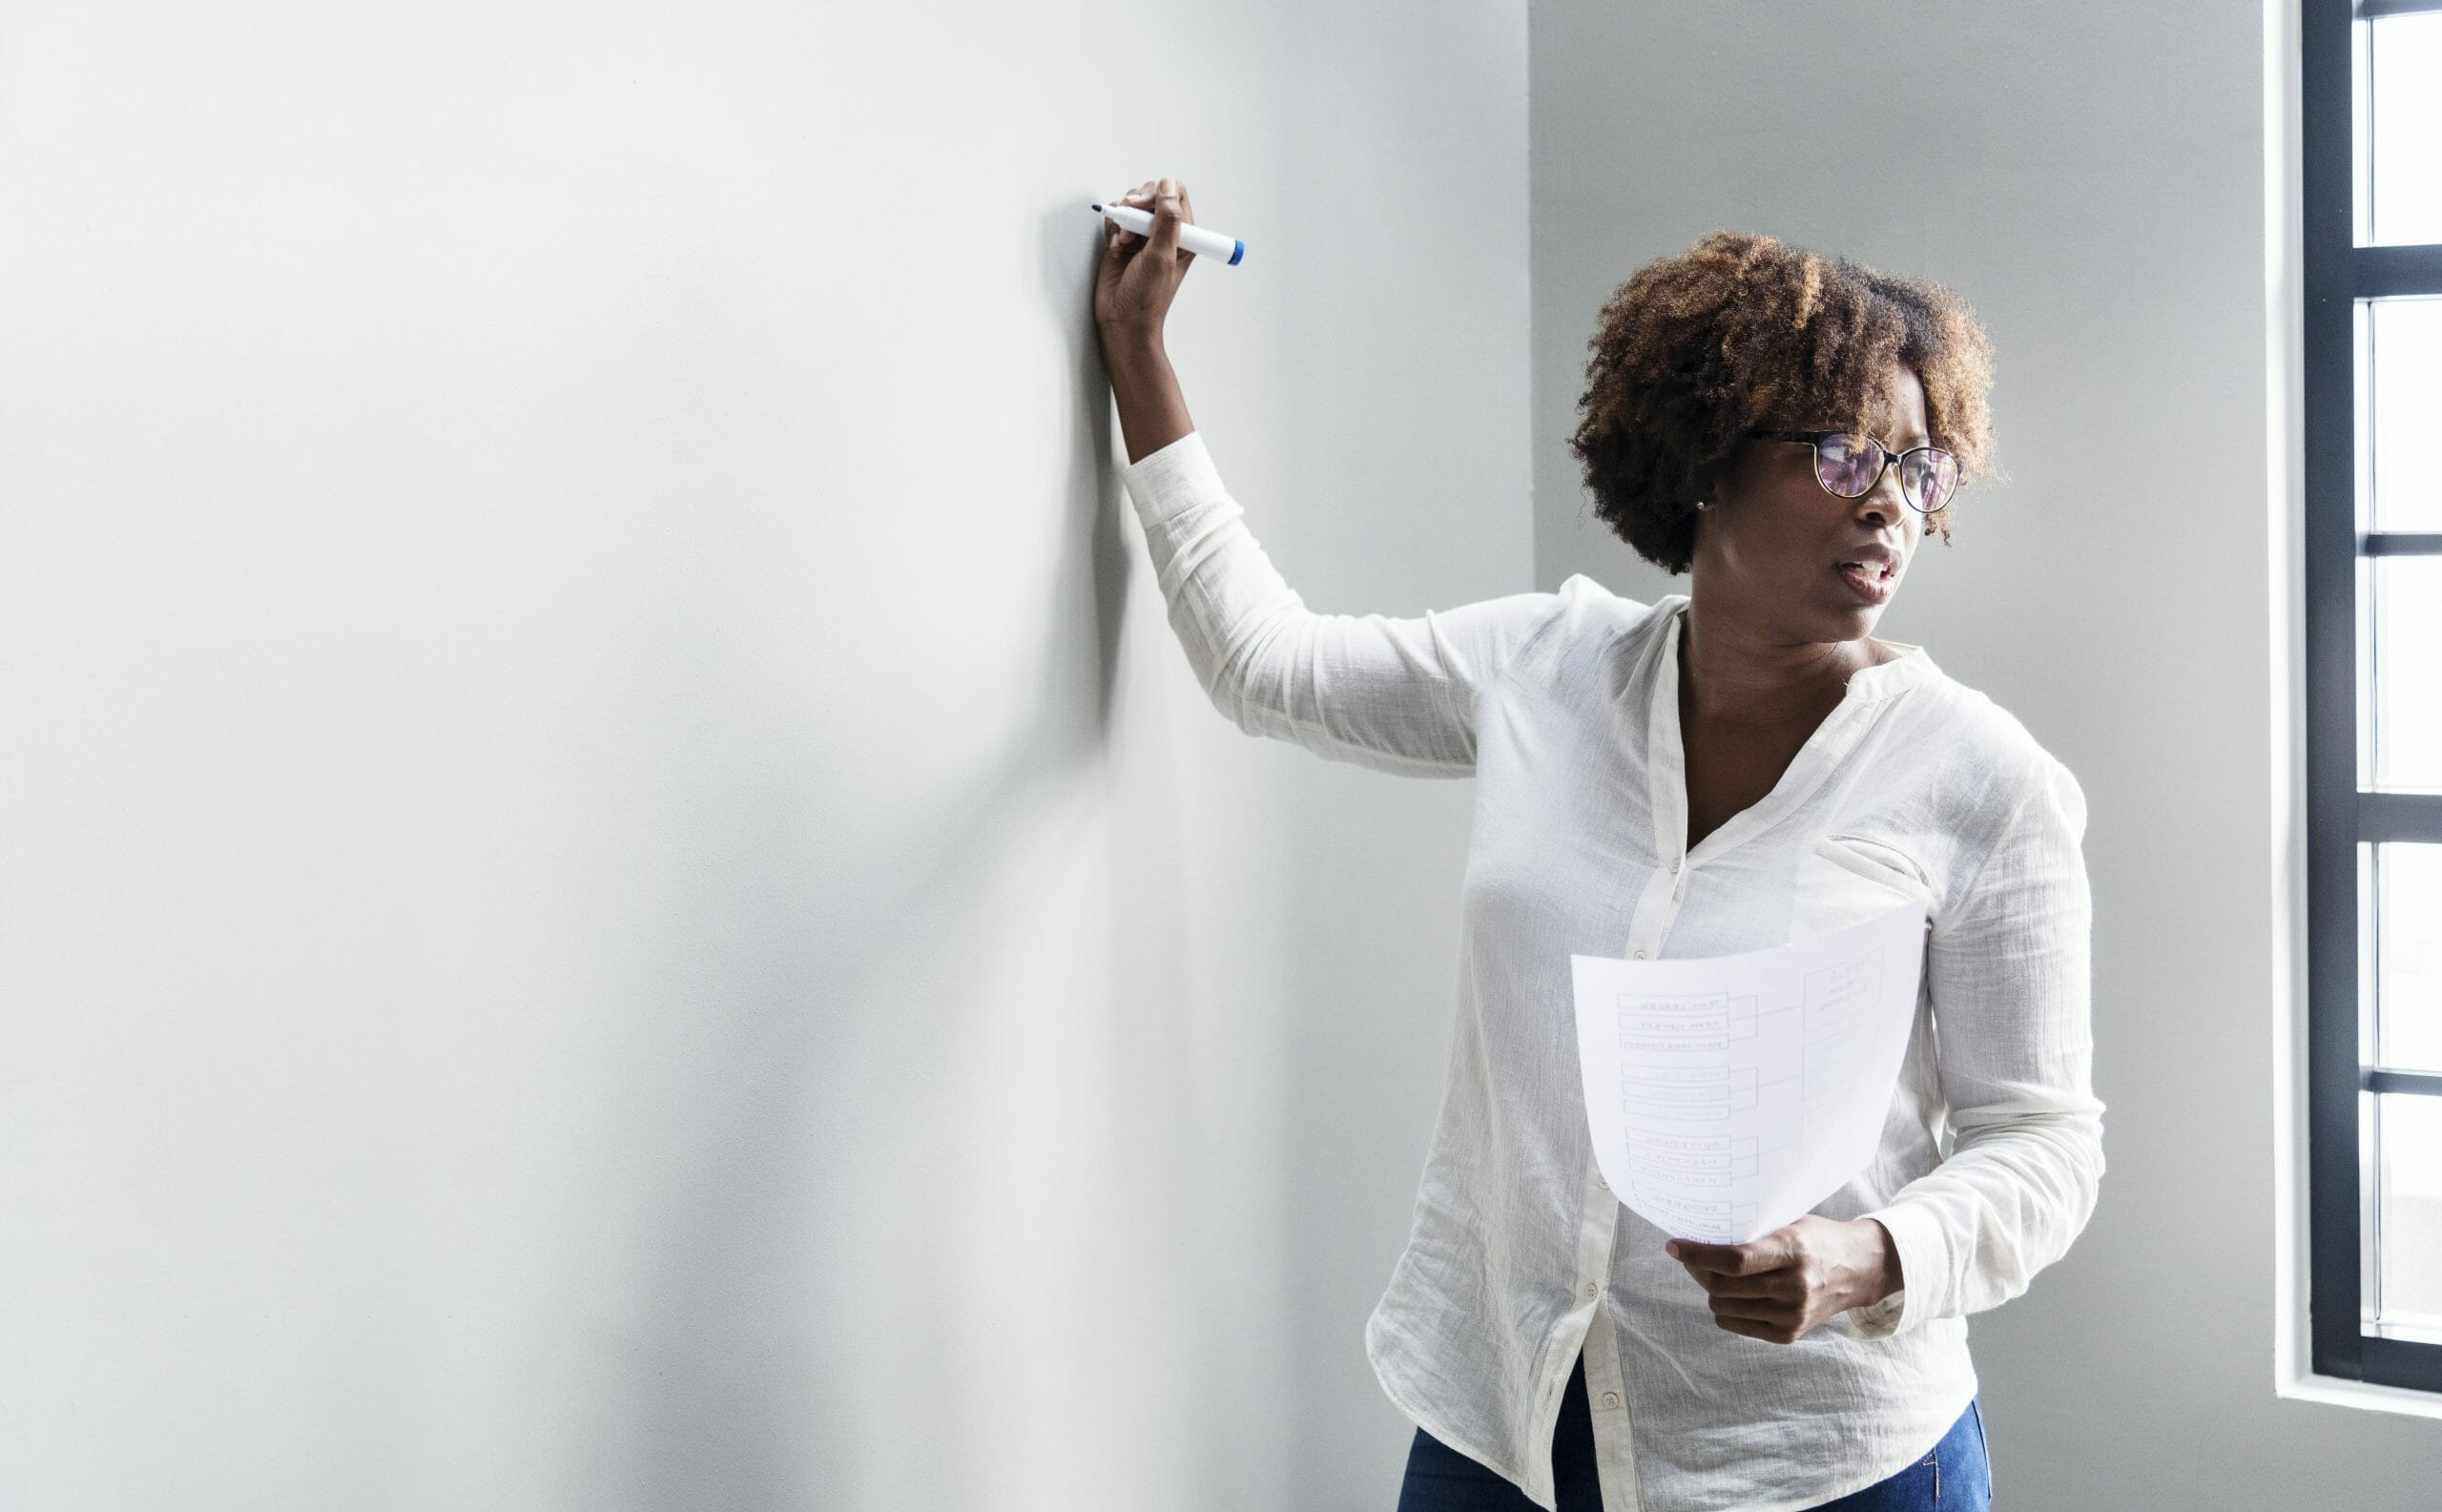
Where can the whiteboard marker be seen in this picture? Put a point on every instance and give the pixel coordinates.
(1192, 238)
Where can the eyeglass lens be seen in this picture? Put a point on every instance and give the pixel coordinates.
(1851, 465)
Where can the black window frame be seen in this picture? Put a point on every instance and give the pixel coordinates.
(2337, 273)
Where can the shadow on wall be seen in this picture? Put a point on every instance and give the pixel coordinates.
(745, 1358)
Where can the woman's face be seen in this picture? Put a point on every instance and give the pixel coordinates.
(1772, 542)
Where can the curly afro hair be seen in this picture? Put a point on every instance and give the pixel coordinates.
(1743, 332)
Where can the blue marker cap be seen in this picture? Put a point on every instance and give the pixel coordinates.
(1237, 252)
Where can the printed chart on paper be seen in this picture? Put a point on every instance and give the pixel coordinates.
(1727, 1096)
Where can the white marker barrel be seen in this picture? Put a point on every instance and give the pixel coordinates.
(1192, 238)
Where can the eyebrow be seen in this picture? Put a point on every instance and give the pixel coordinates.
(1920, 438)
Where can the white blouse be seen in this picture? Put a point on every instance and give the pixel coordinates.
(1565, 708)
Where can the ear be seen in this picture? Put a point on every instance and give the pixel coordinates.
(1716, 476)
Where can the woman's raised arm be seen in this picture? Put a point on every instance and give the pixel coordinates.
(1134, 288)
(1395, 695)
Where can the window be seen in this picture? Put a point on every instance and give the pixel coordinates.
(2371, 94)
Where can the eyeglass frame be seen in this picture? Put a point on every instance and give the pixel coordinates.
(1815, 439)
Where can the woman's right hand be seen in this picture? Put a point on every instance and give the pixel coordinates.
(1139, 274)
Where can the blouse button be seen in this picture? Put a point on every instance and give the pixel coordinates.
(1640, 955)
(1592, 1287)
(1610, 1399)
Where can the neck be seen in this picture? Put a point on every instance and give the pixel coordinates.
(1728, 674)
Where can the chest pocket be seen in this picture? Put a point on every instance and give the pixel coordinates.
(1878, 862)
(1849, 879)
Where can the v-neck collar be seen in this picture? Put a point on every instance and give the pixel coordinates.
(1831, 742)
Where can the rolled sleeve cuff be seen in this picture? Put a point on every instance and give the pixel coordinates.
(1165, 482)
(1918, 1236)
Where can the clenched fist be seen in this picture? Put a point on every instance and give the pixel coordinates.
(1140, 275)
(1779, 1287)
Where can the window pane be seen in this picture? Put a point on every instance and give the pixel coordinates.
(2409, 1214)
(2408, 1002)
(2407, 671)
(2407, 122)
(2405, 354)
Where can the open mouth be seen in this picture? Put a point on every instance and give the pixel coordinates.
(1870, 581)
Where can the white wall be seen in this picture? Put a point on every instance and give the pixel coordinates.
(612, 890)
(2094, 179)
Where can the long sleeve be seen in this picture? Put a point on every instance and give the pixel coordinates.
(2010, 976)
(1395, 695)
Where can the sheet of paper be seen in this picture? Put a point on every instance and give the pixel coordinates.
(1727, 1096)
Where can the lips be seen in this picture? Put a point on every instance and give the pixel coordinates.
(1871, 576)
(1870, 588)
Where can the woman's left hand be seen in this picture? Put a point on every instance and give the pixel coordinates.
(1778, 1287)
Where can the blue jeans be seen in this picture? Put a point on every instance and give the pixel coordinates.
(1440, 1478)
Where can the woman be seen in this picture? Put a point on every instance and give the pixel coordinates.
(1727, 769)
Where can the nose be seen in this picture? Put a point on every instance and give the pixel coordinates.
(1884, 503)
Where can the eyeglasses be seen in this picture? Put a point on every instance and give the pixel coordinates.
(1848, 466)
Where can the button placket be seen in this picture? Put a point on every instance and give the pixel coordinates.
(1598, 1224)
(1615, 1447)
(1656, 909)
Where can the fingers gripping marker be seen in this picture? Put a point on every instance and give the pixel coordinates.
(1201, 240)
